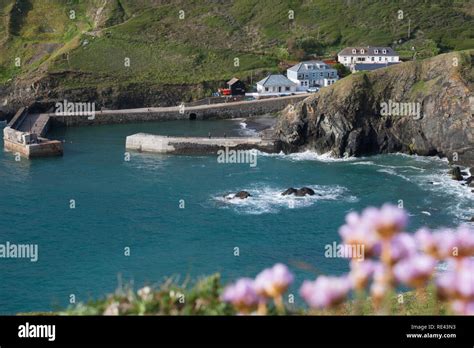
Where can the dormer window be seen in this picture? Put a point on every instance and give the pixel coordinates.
(384, 51)
(376, 51)
(354, 51)
(362, 51)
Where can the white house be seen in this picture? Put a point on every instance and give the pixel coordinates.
(367, 55)
(312, 74)
(275, 84)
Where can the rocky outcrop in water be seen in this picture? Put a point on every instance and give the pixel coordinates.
(299, 192)
(238, 195)
(422, 107)
(456, 173)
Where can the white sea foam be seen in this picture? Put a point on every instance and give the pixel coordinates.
(392, 171)
(247, 132)
(269, 199)
(425, 159)
(431, 173)
(308, 156)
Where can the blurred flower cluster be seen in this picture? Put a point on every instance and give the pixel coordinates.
(393, 260)
(248, 295)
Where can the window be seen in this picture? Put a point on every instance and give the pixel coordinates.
(376, 51)
(266, 89)
(354, 51)
(320, 74)
(345, 59)
(372, 59)
(384, 51)
(380, 59)
(362, 51)
(287, 88)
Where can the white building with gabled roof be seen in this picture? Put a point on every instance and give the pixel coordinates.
(313, 73)
(367, 55)
(275, 84)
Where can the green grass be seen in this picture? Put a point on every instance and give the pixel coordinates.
(201, 47)
(203, 298)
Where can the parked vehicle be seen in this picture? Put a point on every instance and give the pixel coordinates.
(225, 91)
(312, 89)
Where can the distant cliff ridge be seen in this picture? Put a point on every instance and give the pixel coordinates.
(423, 107)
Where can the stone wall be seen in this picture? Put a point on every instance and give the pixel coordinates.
(14, 141)
(216, 111)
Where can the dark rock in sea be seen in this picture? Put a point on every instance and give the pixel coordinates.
(242, 195)
(470, 181)
(290, 191)
(299, 192)
(356, 117)
(464, 173)
(472, 219)
(456, 173)
(304, 191)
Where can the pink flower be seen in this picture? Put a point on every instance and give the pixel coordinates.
(373, 224)
(426, 241)
(325, 292)
(414, 271)
(386, 221)
(465, 279)
(457, 283)
(463, 308)
(465, 241)
(273, 282)
(446, 243)
(361, 273)
(355, 232)
(402, 245)
(242, 295)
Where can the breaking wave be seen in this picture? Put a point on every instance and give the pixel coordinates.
(269, 199)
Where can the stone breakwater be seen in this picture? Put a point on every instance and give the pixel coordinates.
(26, 132)
(143, 142)
(241, 109)
(26, 138)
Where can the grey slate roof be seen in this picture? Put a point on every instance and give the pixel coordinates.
(369, 51)
(276, 80)
(301, 65)
(369, 67)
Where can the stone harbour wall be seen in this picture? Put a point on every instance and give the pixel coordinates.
(240, 109)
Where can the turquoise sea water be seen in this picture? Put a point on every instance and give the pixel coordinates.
(136, 204)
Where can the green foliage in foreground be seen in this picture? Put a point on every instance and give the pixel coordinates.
(203, 298)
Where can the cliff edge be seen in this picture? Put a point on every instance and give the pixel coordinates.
(421, 107)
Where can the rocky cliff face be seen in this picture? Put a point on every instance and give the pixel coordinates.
(44, 91)
(423, 108)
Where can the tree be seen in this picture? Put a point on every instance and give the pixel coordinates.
(342, 70)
